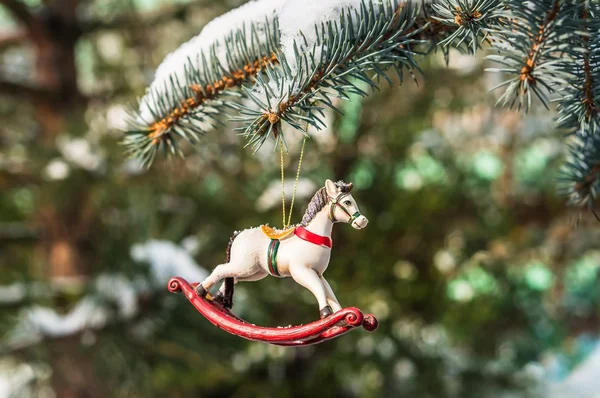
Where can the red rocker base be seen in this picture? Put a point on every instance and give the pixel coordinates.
(316, 332)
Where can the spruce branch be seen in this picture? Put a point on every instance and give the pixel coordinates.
(185, 109)
(471, 21)
(580, 175)
(531, 48)
(578, 108)
(546, 47)
(578, 103)
(362, 45)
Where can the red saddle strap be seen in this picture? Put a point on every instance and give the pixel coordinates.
(308, 236)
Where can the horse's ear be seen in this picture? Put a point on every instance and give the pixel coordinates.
(331, 188)
(350, 186)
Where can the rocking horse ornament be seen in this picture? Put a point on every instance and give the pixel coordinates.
(301, 252)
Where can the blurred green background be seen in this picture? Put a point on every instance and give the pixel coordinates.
(483, 284)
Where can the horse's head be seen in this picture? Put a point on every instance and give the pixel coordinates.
(343, 206)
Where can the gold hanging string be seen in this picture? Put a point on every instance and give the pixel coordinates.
(289, 220)
(282, 184)
(296, 182)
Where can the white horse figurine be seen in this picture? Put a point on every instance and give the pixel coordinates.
(301, 252)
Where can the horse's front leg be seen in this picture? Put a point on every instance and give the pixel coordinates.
(331, 299)
(308, 278)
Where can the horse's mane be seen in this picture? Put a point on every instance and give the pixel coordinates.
(320, 200)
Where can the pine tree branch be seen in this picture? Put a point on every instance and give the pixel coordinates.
(393, 33)
(538, 44)
(297, 91)
(390, 36)
(208, 92)
(578, 109)
(467, 22)
(186, 106)
(578, 104)
(541, 45)
(531, 49)
(588, 88)
(179, 121)
(580, 176)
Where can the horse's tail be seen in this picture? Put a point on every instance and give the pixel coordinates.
(228, 253)
(228, 295)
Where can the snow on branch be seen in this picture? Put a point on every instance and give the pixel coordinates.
(93, 312)
(18, 292)
(188, 89)
(583, 382)
(112, 297)
(289, 60)
(15, 379)
(167, 260)
(200, 81)
(334, 46)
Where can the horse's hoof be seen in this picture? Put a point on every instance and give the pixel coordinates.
(325, 312)
(218, 298)
(201, 291)
(225, 301)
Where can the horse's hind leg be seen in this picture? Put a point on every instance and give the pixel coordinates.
(223, 271)
(225, 295)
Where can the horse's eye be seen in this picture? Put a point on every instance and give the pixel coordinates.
(347, 203)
